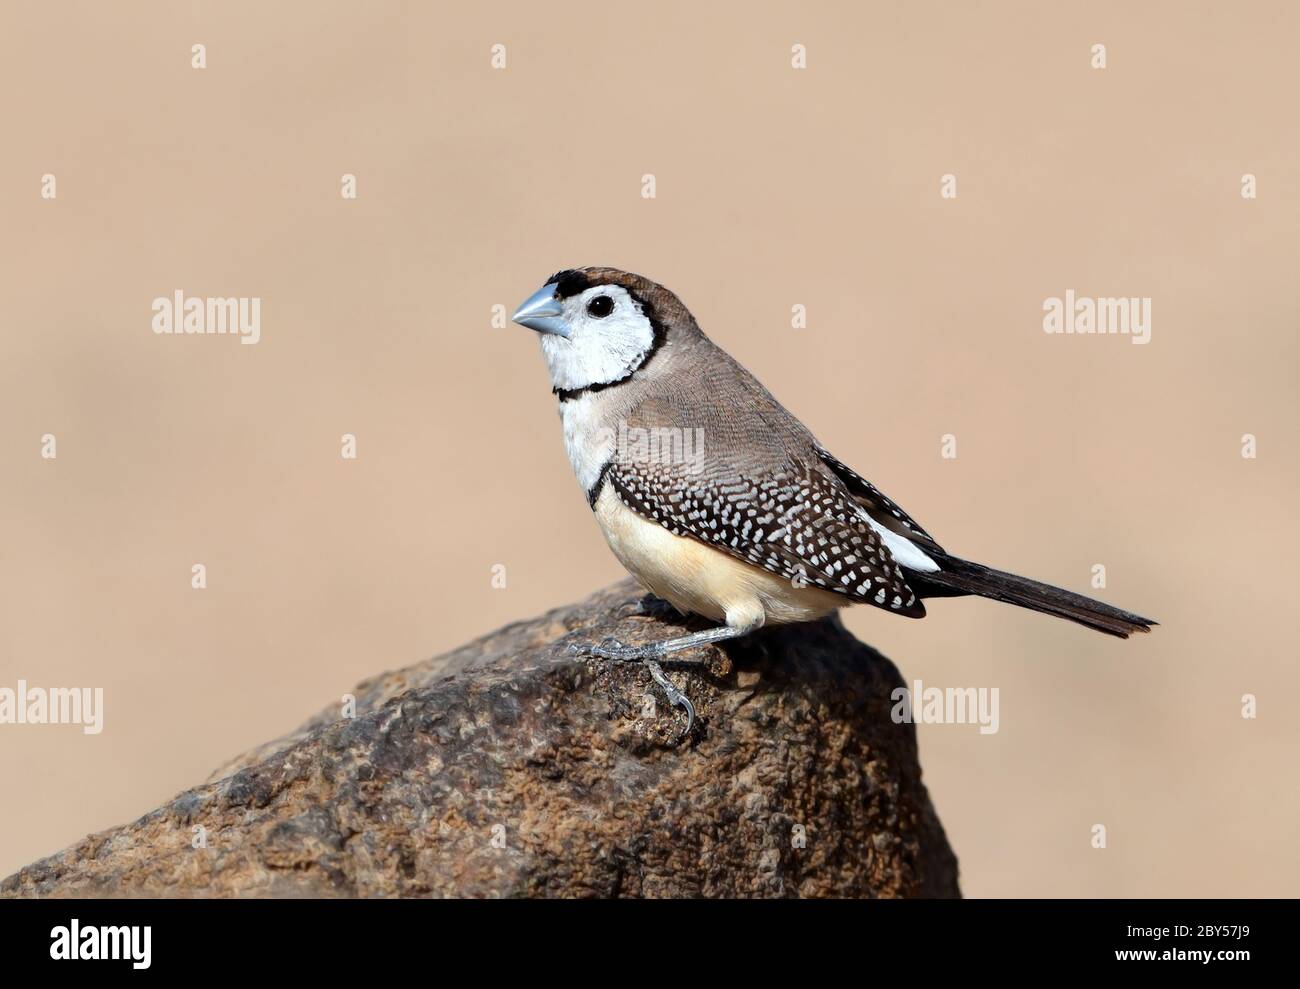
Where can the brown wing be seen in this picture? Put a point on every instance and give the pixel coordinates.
(796, 520)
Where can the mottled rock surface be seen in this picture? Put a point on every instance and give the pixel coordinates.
(515, 767)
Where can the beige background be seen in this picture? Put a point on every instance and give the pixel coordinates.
(775, 187)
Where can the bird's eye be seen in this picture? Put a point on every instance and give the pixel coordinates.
(600, 307)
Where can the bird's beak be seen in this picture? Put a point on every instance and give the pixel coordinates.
(542, 312)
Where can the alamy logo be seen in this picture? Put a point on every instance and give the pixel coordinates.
(237, 316)
(657, 445)
(76, 943)
(53, 706)
(1084, 315)
(924, 705)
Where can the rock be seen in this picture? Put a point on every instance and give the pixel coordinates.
(514, 766)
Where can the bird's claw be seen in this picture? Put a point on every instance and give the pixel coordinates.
(675, 696)
(611, 648)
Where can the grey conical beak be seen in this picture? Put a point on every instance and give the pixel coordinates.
(542, 312)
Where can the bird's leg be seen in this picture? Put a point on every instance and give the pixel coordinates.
(613, 649)
(651, 652)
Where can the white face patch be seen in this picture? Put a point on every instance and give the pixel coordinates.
(599, 349)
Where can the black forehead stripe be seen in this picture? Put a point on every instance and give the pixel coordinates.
(573, 282)
(569, 283)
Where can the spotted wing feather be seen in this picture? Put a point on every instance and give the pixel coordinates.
(798, 522)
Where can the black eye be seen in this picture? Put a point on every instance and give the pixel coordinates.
(600, 307)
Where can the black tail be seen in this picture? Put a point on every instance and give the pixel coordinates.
(957, 577)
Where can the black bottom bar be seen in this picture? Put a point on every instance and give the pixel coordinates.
(335, 938)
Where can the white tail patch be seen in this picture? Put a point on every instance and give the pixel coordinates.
(905, 552)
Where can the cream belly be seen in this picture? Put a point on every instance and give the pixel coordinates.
(696, 578)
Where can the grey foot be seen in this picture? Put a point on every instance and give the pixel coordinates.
(677, 698)
(651, 652)
(613, 649)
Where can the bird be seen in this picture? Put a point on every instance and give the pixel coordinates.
(721, 502)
